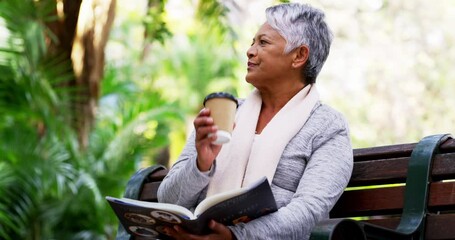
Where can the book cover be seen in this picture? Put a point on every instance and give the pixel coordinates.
(148, 219)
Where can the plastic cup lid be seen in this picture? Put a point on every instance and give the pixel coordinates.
(221, 95)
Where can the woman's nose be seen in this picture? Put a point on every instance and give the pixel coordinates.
(251, 52)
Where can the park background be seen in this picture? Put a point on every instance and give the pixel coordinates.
(93, 90)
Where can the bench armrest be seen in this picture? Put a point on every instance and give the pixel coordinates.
(341, 228)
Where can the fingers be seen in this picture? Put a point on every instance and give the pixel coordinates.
(174, 233)
(220, 230)
(204, 125)
(216, 227)
(178, 233)
(206, 133)
(205, 136)
(170, 232)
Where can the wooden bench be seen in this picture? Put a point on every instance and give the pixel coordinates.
(403, 191)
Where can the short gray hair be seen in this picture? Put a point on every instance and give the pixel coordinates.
(301, 24)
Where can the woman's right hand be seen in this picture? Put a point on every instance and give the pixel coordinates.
(206, 150)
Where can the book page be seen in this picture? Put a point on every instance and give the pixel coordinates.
(179, 210)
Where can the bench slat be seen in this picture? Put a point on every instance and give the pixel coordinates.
(369, 202)
(438, 227)
(395, 151)
(444, 167)
(158, 175)
(394, 170)
(442, 196)
(448, 146)
(387, 201)
(381, 171)
(149, 191)
(381, 152)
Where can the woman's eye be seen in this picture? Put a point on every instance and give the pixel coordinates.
(261, 42)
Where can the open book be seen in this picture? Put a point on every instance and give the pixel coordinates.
(147, 219)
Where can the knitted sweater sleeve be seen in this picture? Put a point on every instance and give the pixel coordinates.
(185, 185)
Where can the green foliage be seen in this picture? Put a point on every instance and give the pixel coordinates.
(49, 188)
(205, 67)
(212, 14)
(155, 25)
(191, 62)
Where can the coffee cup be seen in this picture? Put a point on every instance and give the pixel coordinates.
(222, 107)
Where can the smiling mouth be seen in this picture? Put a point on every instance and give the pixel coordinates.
(250, 65)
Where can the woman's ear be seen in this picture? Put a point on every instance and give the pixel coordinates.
(301, 55)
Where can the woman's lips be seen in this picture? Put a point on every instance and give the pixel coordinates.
(251, 65)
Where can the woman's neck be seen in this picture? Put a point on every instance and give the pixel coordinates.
(272, 102)
(276, 99)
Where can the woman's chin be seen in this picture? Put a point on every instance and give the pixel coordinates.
(250, 78)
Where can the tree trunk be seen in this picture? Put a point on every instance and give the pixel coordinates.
(92, 32)
(82, 31)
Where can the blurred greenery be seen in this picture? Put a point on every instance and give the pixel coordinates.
(389, 72)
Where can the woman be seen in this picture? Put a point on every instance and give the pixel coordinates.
(281, 131)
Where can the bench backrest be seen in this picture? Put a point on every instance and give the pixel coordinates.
(376, 189)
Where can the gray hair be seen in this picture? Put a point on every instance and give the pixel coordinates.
(301, 24)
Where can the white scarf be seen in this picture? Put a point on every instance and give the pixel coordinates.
(247, 158)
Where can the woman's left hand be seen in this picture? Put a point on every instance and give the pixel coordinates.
(220, 232)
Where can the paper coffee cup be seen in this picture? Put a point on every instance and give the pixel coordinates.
(222, 107)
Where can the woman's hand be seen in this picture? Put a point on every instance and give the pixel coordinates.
(220, 232)
(206, 150)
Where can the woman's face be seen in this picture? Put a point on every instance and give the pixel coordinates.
(267, 63)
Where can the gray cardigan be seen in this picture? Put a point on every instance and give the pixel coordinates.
(312, 173)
